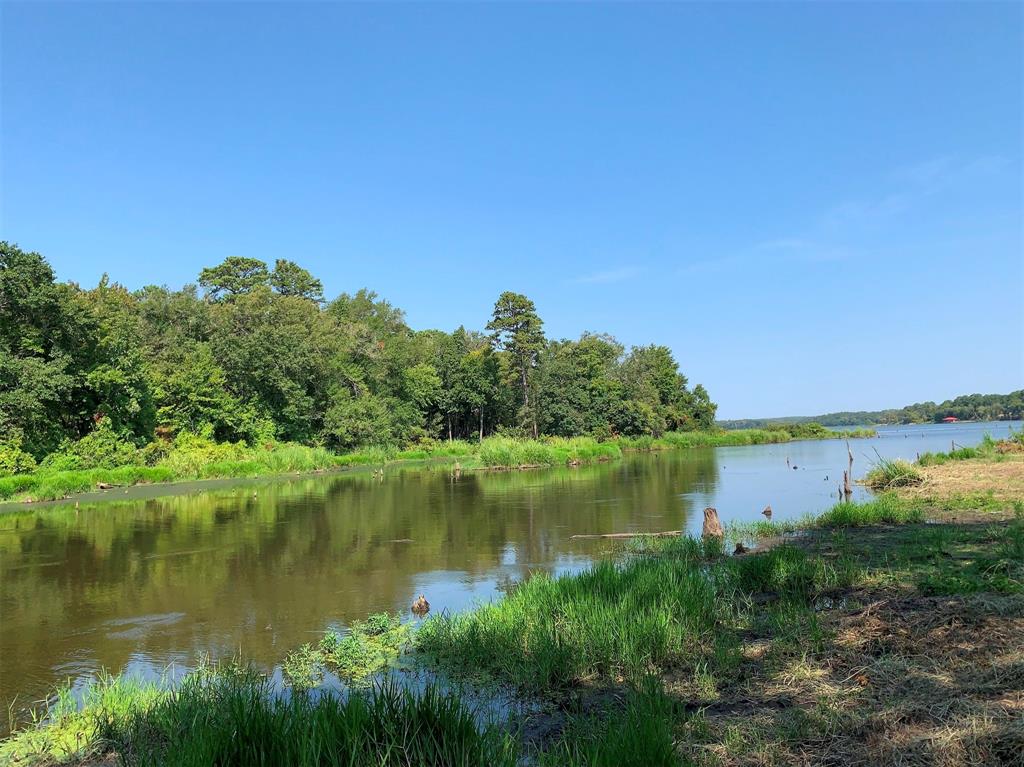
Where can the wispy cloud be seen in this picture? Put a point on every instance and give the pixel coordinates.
(836, 234)
(911, 186)
(609, 276)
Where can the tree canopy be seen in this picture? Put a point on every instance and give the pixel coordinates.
(258, 355)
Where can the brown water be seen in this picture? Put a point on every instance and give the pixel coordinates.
(262, 567)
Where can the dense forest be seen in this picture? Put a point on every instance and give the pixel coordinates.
(968, 407)
(256, 354)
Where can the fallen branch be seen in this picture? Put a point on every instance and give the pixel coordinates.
(666, 534)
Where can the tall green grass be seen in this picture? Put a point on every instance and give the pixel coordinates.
(203, 462)
(988, 448)
(234, 719)
(735, 438)
(230, 715)
(199, 458)
(67, 731)
(609, 621)
(890, 473)
(505, 452)
(615, 621)
(885, 509)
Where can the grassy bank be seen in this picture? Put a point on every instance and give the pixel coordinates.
(227, 715)
(845, 642)
(890, 474)
(195, 458)
(823, 647)
(210, 461)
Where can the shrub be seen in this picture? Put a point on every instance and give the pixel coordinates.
(14, 460)
(102, 448)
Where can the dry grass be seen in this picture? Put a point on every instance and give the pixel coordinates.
(904, 680)
(1004, 479)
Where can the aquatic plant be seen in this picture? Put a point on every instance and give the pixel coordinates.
(368, 647)
(303, 667)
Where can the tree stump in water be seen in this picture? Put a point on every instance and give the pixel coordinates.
(712, 527)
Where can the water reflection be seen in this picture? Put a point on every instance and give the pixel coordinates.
(267, 568)
(262, 568)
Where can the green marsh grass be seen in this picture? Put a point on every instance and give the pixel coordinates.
(67, 730)
(664, 607)
(890, 473)
(232, 718)
(505, 452)
(884, 509)
(192, 458)
(177, 465)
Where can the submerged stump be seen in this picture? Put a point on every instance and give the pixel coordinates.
(712, 526)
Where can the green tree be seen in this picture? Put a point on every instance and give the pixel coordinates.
(356, 421)
(518, 330)
(290, 279)
(195, 397)
(235, 276)
(46, 345)
(576, 389)
(279, 354)
(119, 380)
(477, 385)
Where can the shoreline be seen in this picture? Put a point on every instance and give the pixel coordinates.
(574, 452)
(789, 601)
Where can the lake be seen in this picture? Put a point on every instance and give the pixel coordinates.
(144, 582)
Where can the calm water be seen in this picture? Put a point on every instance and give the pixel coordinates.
(262, 567)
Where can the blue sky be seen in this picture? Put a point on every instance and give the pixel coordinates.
(817, 207)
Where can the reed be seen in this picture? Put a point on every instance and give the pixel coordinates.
(888, 474)
(232, 718)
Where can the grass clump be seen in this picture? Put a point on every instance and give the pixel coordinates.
(988, 449)
(667, 606)
(888, 473)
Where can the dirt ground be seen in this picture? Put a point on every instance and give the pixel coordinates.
(904, 681)
(1004, 479)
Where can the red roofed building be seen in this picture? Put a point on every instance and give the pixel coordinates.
(950, 419)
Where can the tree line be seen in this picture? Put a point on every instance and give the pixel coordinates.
(967, 407)
(256, 353)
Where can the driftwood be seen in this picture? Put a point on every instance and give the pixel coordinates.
(712, 527)
(666, 534)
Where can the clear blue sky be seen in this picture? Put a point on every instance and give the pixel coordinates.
(817, 207)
